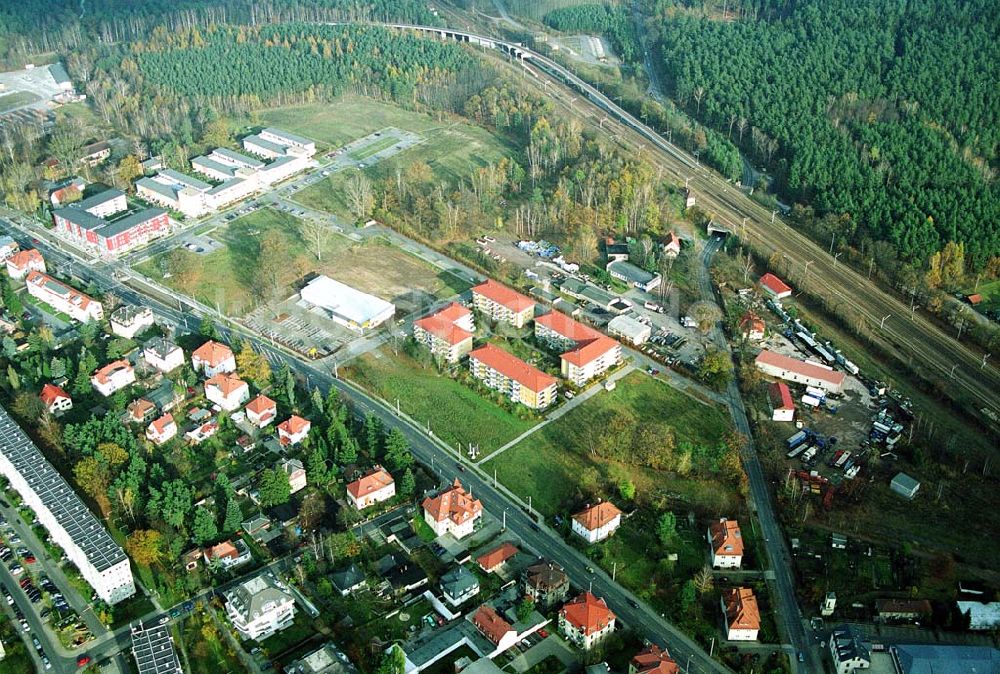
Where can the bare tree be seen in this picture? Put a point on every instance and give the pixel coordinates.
(360, 196)
(316, 234)
(698, 93)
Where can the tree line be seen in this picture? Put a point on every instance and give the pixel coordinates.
(883, 112)
(39, 26)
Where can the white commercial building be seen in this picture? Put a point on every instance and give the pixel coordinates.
(129, 321)
(101, 562)
(629, 329)
(349, 307)
(62, 298)
(260, 607)
(800, 371)
(272, 142)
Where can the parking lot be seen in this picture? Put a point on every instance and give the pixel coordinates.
(294, 325)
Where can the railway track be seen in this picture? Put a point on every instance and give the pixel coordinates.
(916, 341)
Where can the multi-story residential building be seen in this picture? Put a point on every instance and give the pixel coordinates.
(129, 321)
(459, 585)
(153, 650)
(522, 383)
(227, 391)
(212, 358)
(8, 247)
(452, 511)
(653, 660)
(447, 333)
(296, 473)
(20, 264)
(272, 142)
(55, 399)
(261, 411)
(113, 377)
(726, 543)
(89, 223)
(586, 620)
(587, 353)
(597, 522)
(163, 354)
(101, 562)
(62, 298)
(293, 430)
(175, 190)
(161, 430)
(546, 584)
(373, 487)
(739, 605)
(260, 607)
(503, 305)
(849, 652)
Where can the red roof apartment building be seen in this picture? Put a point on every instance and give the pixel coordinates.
(742, 615)
(62, 298)
(502, 304)
(452, 511)
(653, 660)
(726, 542)
(586, 620)
(373, 487)
(447, 333)
(800, 371)
(522, 383)
(587, 353)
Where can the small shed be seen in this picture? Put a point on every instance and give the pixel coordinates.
(904, 485)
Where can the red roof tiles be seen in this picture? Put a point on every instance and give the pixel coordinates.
(376, 479)
(497, 556)
(801, 367)
(587, 613)
(513, 367)
(598, 515)
(454, 504)
(504, 296)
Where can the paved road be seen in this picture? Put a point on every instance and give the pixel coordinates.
(790, 620)
(429, 451)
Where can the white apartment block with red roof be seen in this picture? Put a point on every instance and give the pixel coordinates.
(742, 614)
(293, 430)
(726, 544)
(62, 298)
(586, 620)
(212, 358)
(373, 487)
(452, 511)
(113, 377)
(161, 430)
(20, 264)
(261, 411)
(522, 383)
(56, 400)
(228, 392)
(587, 352)
(502, 304)
(447, 333)
(597, 522)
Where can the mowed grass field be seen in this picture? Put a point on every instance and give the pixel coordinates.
(375, 266)
(16, 99)
(451, 147)
(457, 414)
(547, 468)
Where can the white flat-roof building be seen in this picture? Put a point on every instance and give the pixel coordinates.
(288, 141)
(629, 329)
(101, 562)
(172, 189)
(347, 306)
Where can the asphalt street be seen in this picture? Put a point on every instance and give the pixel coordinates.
(429, 451)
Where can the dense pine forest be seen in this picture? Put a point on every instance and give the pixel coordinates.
(32, 26)
(888, 112)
